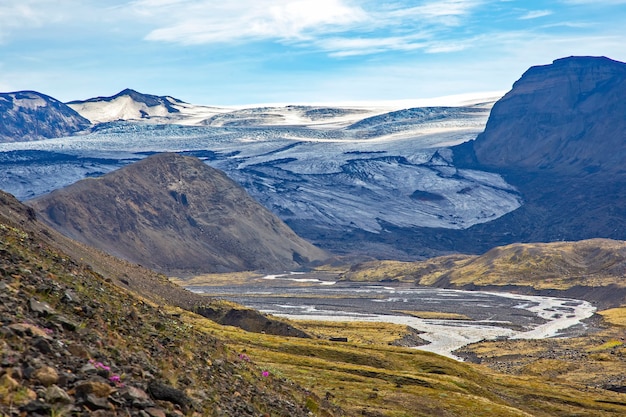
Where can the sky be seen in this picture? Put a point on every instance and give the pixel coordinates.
(237, 52)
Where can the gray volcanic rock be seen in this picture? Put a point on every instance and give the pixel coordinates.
(177, 215)
(567, 117)
(559, 136)
(28, 115)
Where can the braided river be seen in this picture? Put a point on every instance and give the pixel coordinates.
(487, 315)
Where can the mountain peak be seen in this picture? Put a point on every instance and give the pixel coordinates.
(175, 214)
(128, 104)
(554, 119)
(30, 115)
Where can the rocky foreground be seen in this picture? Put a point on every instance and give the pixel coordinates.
(73, 343)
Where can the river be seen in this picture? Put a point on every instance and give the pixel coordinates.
(491, 315)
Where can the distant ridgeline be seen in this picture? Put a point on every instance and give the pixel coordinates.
(549, 165)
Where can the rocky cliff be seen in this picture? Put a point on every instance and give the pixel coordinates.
(566, 117)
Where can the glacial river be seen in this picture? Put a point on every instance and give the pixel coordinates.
(493, 315)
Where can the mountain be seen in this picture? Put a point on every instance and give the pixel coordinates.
(126, 105)
(177, 215)
(566, 117)
(344, 184)
(29, 115)
(544, 164)
(559, 137)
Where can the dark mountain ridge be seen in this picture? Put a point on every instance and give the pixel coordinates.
(29, 115)
(177, 215)
(566, 117)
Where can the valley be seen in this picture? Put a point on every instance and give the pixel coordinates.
(452, 257)
(483, 315)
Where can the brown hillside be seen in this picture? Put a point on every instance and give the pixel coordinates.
(149, 284)
(558, 265)
(72, 342)
(176, 215)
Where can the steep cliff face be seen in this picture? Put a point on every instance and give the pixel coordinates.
(176, 215)
(28, 115)
(566, 117)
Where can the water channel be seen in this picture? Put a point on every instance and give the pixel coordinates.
(490, 315)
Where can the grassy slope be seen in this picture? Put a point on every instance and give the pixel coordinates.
(376, 379)
(562, 265)
(202, 357)
(141, 341)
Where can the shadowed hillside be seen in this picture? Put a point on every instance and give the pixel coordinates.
(177, 215)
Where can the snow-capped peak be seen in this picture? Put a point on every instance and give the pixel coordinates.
(126, 105)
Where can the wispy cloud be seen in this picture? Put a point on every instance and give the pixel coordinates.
(338, 27)
(535, 14)
(210, 21)
(447, 12)
(22, 14)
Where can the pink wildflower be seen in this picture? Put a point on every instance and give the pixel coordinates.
(265, 374)
(116, 380)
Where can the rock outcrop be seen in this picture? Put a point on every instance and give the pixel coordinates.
(567, 117)
(28, 115)
(176, 215)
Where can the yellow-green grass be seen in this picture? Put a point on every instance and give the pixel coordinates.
(398, 381)
(207, 280)
(559, 265)
(598, 359)
(615, 316)
(366, 333)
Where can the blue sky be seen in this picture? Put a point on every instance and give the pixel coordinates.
(233, 52)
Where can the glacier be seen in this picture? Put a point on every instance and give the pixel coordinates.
(335, 168)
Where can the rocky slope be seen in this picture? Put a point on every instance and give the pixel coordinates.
(566, 117)
(28, 115)
(177, 215)
(73, 342)
(559, 137)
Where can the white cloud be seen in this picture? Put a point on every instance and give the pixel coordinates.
(534, 14)
(210, 21)
(18, 15)
(447, 12)
(339, 27)
(343, 47)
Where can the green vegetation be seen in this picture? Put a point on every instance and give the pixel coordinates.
(228, 369)
(561, 265)
(392, 381)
